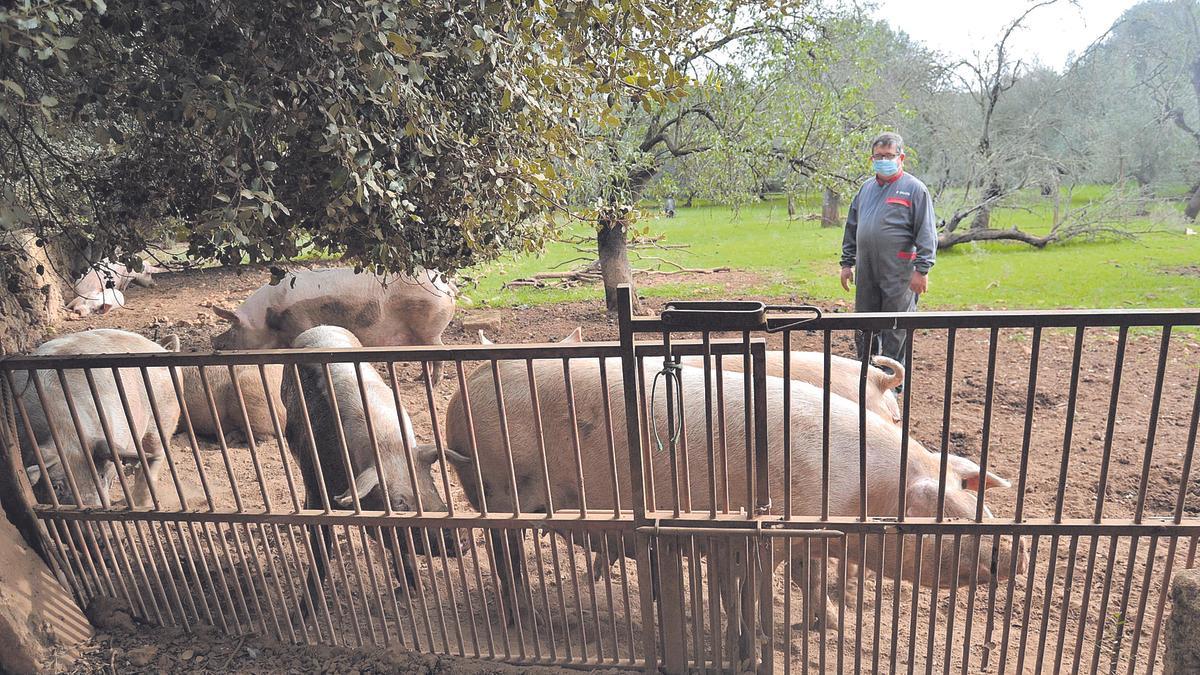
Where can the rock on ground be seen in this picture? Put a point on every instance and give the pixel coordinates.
(41, 628)
(1183, 629)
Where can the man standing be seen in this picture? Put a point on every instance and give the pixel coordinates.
(889, 245)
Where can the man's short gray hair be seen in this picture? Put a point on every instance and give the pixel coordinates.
(886, 139)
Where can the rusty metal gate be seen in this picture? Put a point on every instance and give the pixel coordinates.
(685, 498)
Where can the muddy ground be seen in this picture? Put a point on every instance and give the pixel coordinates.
(181, 304)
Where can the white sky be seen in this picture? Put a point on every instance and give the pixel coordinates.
(960, 27)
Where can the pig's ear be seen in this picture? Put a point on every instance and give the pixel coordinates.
(226, 314)
(457, 457)
(483, 340)
(425, 454)
(574, 337)
(969, 472)
(170, 342)
(366, 481)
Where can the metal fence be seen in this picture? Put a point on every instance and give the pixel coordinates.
(682, 501)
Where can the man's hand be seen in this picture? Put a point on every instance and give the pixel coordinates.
(847, 277)
(918, 283)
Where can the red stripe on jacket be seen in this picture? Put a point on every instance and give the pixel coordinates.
(898, 200)
(906, 255)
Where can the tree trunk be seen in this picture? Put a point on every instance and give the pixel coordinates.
(831, 207)
(791, 206)
(1193, 205)
(614, 259)
(951, 239)
(983, 217)
(688, 204)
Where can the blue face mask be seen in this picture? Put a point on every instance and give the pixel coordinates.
(885, 167)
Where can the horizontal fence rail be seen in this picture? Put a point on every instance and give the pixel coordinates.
(677, 498)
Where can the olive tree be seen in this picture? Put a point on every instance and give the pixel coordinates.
(401, 135)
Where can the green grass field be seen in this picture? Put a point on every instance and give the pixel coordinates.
(1160, 268)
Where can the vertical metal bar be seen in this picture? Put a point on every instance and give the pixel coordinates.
(902, 488)
(164, 437)
(393, 539)
(487, 619)
(629, 375)
(562, 600)
(156, 611)
(879, 577)
(952, 604)
(608, 590)
(896, 593)
(27, 424)
(1022, 479)
(237, 539)
(985, 444)
(498, 594)
(258, 472)
(723, 445)
(537, 547)
(708, 425)
(1163, 589)
(843, 575)
(1033, 549)
(580, 481)
(869, 336)
(185, 421)
(171, 585)
(195, 574)
(540, 435)
(283, 599)
(437, 593)
(386, 586)
(69, 397)
(827, 353)
(625, 596)
(1102, 617)
(672, 448)
(747, 417)
(220, 434)
(789, 581)
(1188, 456)
(591, 586)
(347, 465)
(466, 592)
(507, 444)
(420, 587)
(608, 436)
(470, 424)
(59, 445)
(106, 429)
(374, 441)
(651, 485)
(1101, 490)
(458, 628)
(1152, 431)
(1141, 610)
(1064, 616)
(261, 576)
(206, 565)
(947, 399)
(369, 563)
(583, 640)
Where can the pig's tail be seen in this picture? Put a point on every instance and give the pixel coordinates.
(670, 372)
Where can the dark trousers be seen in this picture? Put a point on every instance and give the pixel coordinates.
(871, 296)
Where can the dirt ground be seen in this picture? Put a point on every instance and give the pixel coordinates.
(181, 304)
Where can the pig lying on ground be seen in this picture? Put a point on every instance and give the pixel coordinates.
(405, 311)
(102, 289)
(102, 301)
(89, 438)
(229, 410)
(810, 367)
(393, 435)
(883, 457)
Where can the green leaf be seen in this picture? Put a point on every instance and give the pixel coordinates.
(49, 101)
(13, 87)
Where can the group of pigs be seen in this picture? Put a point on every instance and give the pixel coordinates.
(562, 458)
